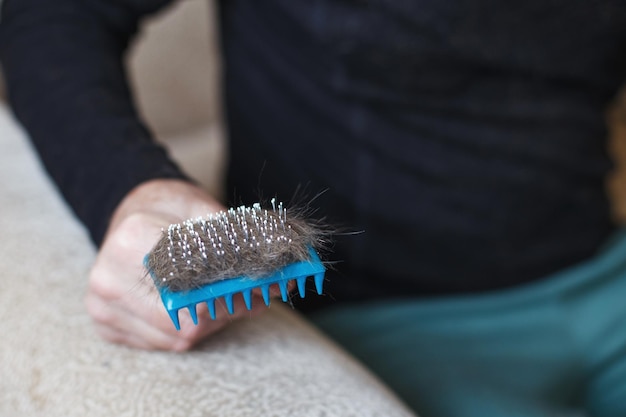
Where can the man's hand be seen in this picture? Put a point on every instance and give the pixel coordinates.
(121, 299)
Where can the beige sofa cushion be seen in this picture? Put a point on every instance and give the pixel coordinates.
(53, 364)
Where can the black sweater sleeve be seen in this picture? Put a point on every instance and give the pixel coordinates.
(63, 65)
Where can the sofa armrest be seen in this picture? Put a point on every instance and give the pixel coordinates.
(53, 364)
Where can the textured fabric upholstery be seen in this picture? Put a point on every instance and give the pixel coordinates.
(53, 364)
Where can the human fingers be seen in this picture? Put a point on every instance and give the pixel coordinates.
(117, 325)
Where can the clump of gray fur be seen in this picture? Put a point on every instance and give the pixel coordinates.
(243, 241)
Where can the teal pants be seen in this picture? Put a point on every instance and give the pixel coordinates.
(554, 348)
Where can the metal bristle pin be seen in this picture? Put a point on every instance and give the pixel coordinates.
(233, 251)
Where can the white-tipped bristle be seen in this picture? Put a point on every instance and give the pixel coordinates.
(242, 241)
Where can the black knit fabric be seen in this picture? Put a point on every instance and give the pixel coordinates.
(466, 139)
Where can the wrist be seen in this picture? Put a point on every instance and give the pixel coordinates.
(174, 198)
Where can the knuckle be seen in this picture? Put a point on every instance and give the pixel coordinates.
(99, 312)
(101, 285)
(182, 345)
(189, 333)
(116, 338)
(130, 231)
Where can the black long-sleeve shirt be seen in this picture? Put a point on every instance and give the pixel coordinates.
(66, 82)
(466, 138)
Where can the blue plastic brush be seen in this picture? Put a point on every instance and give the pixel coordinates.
(234, 251)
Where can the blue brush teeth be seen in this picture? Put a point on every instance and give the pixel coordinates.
(227, 288)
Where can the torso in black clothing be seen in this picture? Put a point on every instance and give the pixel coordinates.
(465, 138)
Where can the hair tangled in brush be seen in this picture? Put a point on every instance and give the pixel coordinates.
(243, 241)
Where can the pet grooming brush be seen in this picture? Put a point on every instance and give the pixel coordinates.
(234, 251)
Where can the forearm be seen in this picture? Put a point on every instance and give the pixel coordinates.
(63, 63)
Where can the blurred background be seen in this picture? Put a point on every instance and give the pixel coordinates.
(174, 68)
